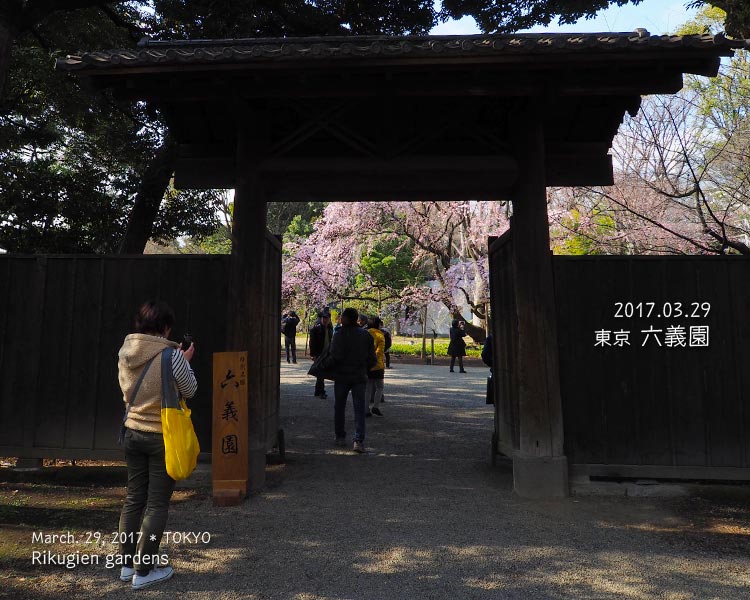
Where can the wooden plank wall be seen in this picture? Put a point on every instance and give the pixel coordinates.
(505, 344)
(655, 411)
(62, 322)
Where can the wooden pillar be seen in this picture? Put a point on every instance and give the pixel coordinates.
(539, 465)
(247, 297)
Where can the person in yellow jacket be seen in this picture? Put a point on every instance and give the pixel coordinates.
(376, 375)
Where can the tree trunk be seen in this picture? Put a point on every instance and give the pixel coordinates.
(148, 198)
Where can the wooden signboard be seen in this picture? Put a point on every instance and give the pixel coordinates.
(230, 446)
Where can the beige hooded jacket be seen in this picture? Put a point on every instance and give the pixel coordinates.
(136, 351)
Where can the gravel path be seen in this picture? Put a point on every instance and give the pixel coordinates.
(424, 515)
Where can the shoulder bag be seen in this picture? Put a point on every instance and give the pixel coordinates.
(181, 446)
(323, 365)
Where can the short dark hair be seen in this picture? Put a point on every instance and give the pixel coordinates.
(154, 317)
(350, 315)
(374, 322)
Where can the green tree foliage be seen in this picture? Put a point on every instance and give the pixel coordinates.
(574, 235)
(282, 215)
(387, 269)
(74, 161)
(737, 20)
(85, 173)
(512, 15)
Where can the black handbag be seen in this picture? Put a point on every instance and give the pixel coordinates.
(323, 367)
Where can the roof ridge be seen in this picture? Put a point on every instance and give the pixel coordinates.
(639, 33)
(243, 50)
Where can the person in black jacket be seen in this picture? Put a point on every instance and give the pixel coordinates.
(487, 351)
(320, 337)
(289, 322)
(457, 345)
(388, 344)
(353, 355)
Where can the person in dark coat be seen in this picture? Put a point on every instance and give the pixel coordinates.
(289, 322)
(337, 326)
(320, 338)
(457, 345)
(353, 355)
(487, 351)
(388, 344)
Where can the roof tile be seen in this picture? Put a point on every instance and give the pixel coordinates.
(167, 52)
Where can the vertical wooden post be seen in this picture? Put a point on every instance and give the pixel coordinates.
(539, 465)
(247, 297)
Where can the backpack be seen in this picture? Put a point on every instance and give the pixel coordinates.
(289, 328)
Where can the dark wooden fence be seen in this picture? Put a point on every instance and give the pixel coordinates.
(651, 410)
(62, 322)
(641, 410)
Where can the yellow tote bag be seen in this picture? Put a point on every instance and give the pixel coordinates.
(181, 446)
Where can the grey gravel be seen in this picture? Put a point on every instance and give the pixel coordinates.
(424, 515)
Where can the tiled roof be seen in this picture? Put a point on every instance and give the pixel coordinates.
(163, 53)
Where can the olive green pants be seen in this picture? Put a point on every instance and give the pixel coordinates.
(144, 514)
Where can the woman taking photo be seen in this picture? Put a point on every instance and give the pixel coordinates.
(144, 513)
(457, 345)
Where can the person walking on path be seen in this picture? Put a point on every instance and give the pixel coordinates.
(487, 352)
(457, 345)
(337, 326)
(353, 355)
(289, 324)
(376, 375)
(320, 338)
(388, 343)
(144, 512)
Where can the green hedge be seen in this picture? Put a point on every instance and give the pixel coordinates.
(404, 348)
(441, 348)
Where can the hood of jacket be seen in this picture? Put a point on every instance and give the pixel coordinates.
(139, 348)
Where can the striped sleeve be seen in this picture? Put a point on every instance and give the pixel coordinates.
(183, 375)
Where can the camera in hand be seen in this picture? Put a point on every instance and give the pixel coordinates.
(187, 339)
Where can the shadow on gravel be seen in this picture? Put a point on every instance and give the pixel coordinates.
(69, 475)
(425, 515)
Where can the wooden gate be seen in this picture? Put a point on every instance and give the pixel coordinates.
(271, 358)
(505, 345)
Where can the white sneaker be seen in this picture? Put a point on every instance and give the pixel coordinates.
(155, 575)
(126, 573)
(359, 447)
